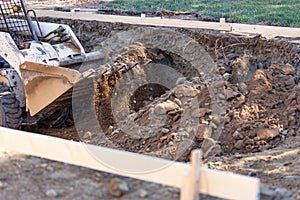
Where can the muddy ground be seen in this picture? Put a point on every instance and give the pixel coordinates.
(256, 133)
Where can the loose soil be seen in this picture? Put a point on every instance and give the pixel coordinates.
(94, 4)
(257, 133)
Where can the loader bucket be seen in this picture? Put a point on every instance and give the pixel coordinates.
(43, 84)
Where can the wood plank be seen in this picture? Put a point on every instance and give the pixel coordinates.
(267, 30)
(164, 22)
(174, 174)
(231, 186)
(94, 157)
(149, 21)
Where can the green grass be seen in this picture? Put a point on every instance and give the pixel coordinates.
(271, 12)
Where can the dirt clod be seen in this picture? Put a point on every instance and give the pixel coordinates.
(213, 151)
(266, 133)
(118, 187)
(207, 144)
(3, 185)
(51, 193)
(239, 144)
(165, 107)
(143, 193)
(185, 91)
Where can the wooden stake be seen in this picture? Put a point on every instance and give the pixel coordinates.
(222, 20)
(190, 189)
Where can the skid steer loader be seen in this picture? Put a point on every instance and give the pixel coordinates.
(38, 63)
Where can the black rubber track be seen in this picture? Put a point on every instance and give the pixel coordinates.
(10, 111)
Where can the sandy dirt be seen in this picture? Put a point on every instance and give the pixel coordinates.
(256, 134)
(94, 4)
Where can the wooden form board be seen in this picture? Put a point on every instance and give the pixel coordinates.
(149, 21)
(163, 22)
(217, 183)
(266, 30)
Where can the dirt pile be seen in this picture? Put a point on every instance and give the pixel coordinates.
(261, 110)
(131, 59)
(260, 113)
(261, 92)
(171, 126)
(260, 80)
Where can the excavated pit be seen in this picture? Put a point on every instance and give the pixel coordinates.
(261, 92)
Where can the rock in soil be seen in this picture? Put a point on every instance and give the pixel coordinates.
(165, 107)
(186, 91)
(118, 187)
(204, 131)
(143, 193)
(239, 144)
(51, 193)
(267, 133)
(213, 151)
(207, 144)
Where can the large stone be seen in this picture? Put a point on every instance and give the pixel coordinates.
(213, 151)
(163, 108)
(243, 88)
(217, 120)
(267, 133)
(285, 69)
(185, 91)
(290, 82)
(242, 69)
(118, 187)
(204, 131)
(239, 144)
(201, 112)
(230, 94)
(207, 144)
(237, 135)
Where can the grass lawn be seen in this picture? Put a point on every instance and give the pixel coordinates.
(275, 12)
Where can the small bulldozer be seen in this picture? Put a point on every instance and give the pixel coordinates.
(38, 66)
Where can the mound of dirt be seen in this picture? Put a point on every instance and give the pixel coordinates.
(259, 97)
(260, 80)
(260, 113)
(131, 60)
(261, 110)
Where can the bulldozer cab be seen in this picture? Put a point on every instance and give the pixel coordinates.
(16, 21)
